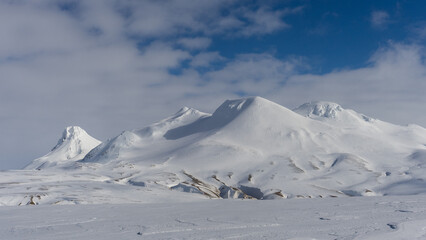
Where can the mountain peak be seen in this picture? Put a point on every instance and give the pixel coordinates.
(71, 132)
(185, 111)
(240, 102)
(74, 144)
(319, 109)
(329, 111)
(231, 108)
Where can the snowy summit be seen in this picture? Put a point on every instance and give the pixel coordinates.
(74, 144)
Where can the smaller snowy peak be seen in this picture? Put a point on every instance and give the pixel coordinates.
(184, 112)
(74, 144)
(114, 148)
(110, 149)
(329, 111)
(182, 117)
(71, 133)
(319, 109)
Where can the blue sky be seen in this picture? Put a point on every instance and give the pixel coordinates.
(109, 65)
(335, 34)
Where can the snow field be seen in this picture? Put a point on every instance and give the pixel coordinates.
(396, 217)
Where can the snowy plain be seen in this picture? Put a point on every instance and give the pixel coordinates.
(320, 171)
(390, 217)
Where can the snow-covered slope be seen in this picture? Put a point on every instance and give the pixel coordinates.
(248, 148)
(252, 147)
(74, 144)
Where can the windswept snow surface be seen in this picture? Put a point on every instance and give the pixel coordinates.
(248, 148)
(391, 217)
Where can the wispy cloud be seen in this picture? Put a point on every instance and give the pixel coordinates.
(418, 29)
(379, 19)
(205, 59)
(162, 18)
(263, 21)
(252, 74)
(195, 43)
(323, 26)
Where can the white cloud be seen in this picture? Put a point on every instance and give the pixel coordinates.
(419, 30)
(165, 18)
(205, 59)
(30, 29)
(264, 21)
(379, 19)
(195, 43)
(162, 18)
(161, 56)
(252, 74)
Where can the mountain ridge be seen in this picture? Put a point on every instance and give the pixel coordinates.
(255, 148)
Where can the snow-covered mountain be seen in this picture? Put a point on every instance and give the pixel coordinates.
(248, 148)
(74, 144)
